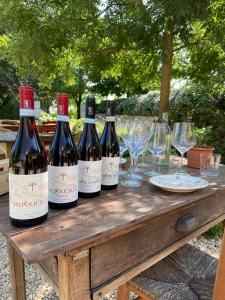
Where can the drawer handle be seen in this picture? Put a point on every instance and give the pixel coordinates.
(187, 223)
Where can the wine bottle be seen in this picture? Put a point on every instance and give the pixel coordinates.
(110, 149)
(28, 177)
(63, 161)
(90, 163)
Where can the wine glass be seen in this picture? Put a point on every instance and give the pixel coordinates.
(156, 144)
(148, 131)
(183, 139)
(134, 138)
(123, 149)
(120, 130)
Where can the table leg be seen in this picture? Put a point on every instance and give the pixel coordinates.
(74, 276)
(219, 289)
(17, 273)
(123, 292)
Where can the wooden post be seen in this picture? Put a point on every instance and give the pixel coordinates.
(219, 289)
(123, 292)
(74, 276)
(16, 265)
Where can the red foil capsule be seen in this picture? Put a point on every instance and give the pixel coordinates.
(26, 97)
(62, 104)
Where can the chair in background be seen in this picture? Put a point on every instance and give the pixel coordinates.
(187, 274)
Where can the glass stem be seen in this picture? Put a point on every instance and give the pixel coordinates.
(154, 162)
(181, 162)
(133, 165)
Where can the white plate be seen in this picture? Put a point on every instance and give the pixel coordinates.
(179, 183)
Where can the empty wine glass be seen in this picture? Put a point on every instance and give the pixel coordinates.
(148, 131)
(134, 138)
(156, 144)
(183, 139)
(123, 149)
(120, 130)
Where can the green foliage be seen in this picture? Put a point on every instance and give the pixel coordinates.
(203, 135)
(142, 105)
(8, 91)
(76, 125)
(9, 108)
(216, 231)
(44, 117)
(206, 110)
(47, 40)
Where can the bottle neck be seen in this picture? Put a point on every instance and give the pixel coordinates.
(63, 125)
(27, 124)
(27, 120)
(110, 111)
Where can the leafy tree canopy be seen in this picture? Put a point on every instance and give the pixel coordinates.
(134, 42)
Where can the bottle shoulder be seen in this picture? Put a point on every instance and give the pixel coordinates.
(28, 155)
(89, 138)
(109, 141)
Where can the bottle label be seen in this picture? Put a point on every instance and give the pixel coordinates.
(89, 180)
(89, 121)
(62, 118)
(110, 118)
(28, 196)
(62, 184)
(110, 170)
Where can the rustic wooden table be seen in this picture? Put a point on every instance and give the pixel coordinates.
(104, 242)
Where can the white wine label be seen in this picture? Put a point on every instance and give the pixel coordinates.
(89, 180)
(89, 121)
(62, 184)
(28, 196)
(27, 112)
(63, 118)
(110, 170)
(110, 118)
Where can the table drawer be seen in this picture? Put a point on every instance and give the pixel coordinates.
(119, 254)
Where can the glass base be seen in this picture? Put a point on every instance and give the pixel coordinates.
(144, 165)
(130, 183)
(162, 163)
(139, 170)
(152, 173)
(133, 176)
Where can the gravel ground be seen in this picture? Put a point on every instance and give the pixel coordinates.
(39, 289)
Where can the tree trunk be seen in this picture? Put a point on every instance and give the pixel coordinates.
(78, 103)
(78, 100)
(166, 72)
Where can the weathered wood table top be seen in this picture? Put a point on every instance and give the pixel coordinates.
(94, 221)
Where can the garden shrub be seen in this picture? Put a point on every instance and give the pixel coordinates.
(141, 105)
(9, 108)
(206, 111)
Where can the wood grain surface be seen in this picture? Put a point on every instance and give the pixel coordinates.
(98, 220)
